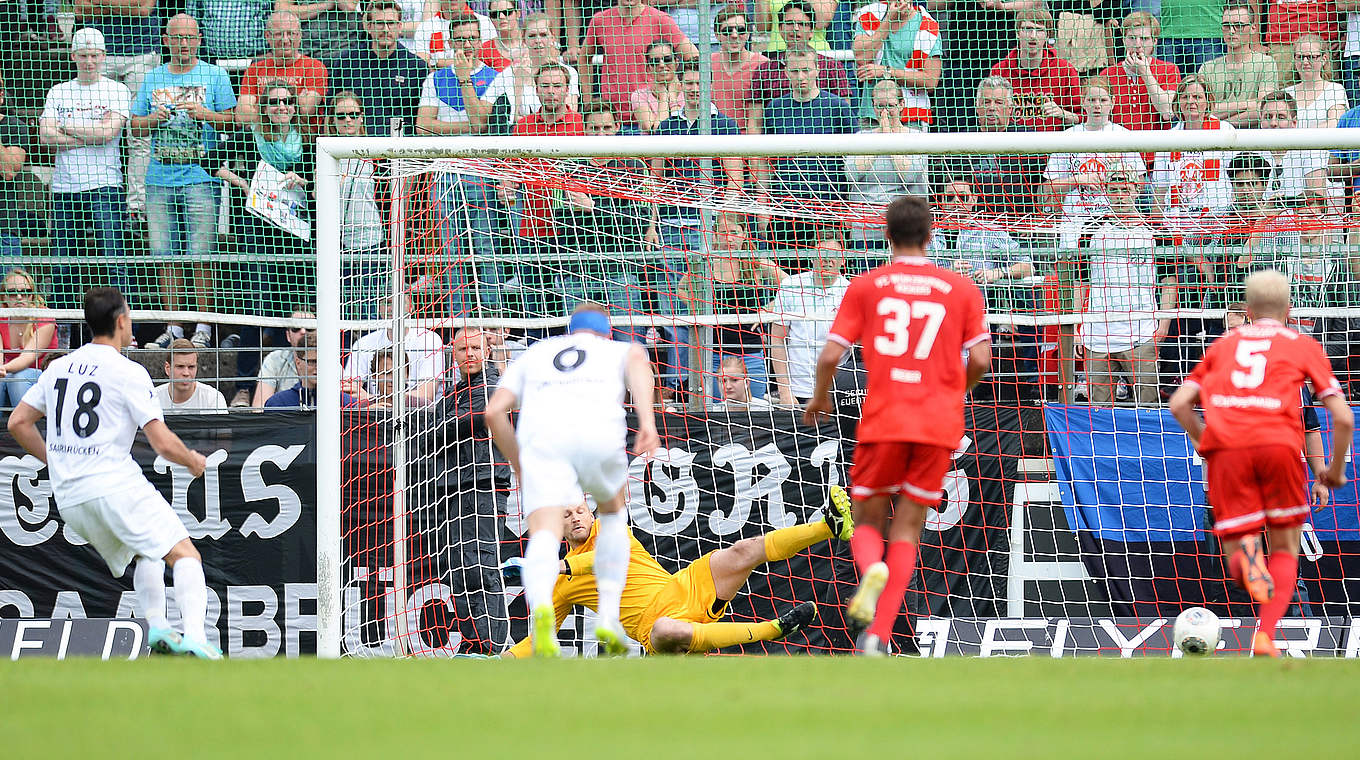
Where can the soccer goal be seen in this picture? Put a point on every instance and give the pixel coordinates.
(1074, 499)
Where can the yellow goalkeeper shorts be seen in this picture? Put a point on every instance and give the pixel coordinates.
(689, 596)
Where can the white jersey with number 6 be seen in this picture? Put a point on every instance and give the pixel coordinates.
(95, 400)
(570, 388)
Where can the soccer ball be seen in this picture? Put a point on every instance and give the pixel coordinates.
(1196, 631)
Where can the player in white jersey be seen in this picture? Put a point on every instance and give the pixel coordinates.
(95, 399)
(569, 442)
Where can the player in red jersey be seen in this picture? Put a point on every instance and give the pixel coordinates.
(914, 321)
(1250, 437)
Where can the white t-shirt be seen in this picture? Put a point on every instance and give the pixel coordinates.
(1314, 115)
(429, 97)
(278, 369)
(1123, 281)
(1089, 201)
(90, 166)
(808, 310)
(205, 398)
(1193, 182)
(1287, 178)
(527, 100)
(433, 38)
(569, 387)
(95, 400)
(424, 351)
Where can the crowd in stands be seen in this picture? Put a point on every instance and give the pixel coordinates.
(158, 145)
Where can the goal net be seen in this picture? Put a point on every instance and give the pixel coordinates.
(1075, 516)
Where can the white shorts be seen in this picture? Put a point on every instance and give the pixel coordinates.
(562, 478)
(132, 523)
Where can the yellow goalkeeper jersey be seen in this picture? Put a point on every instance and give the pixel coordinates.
(646, 581)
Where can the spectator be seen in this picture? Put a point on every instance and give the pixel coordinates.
(1248, 173)
(386, 76)
(1287, 21)
(734, 388)
(733, 64)
(1292, 172)
(467, 484)
(807, 109)
(661, 98)
(1076, 181)
(364, 278)
(802, 312)
(740, 285)
(180, 105)
(1217, 275)
(231, 28)
(287, 63)
(1142, 85)
(899, 41)
(27, 342)
(508, 45)
(1123, 284)
(770, 80)
(451, 97)
(184, 393)
(1005, 184)
(813, 28)
(303, 394)
(515, 83)
(1303, 243)
(423, 348)
(970, 245)
(1047, 88)
(622, 35)
(131, 32)
(278, 371)
(876, 180)
(329, 27)
(1190, 188)
(16, 222)
(82, 120)
(1320, 100)
(433, 34)
(1191, 33)
(1242, 76)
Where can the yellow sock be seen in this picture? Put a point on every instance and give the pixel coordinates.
(710, 636)
(786, 542)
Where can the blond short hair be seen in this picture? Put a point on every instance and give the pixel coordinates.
(1267, 292)
(1139, 19)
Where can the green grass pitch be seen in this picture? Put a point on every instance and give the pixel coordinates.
(695, 708)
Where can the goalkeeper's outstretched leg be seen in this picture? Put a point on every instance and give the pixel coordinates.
(730, 568)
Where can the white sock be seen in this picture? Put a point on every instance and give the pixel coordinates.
(540, 570)
(203, 328)
(191, 596)
(611, 563)
(148, 578)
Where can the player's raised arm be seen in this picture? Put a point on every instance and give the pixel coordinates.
(169, 445)
(1183, 409)
(23, 425)
(1343, 428)
(641, 383)
(497, 418)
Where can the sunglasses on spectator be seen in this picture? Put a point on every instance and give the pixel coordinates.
(349, 115)
(733, 31)
(502, 13)
(284, 101)
(660, 60)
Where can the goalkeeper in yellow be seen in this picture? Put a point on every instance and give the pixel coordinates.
(678, 613)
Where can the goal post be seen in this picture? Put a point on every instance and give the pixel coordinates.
(444, 279)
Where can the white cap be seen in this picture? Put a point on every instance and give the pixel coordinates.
(87, 39)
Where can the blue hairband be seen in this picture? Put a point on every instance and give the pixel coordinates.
(590, 320)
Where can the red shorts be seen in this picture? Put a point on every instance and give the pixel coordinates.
(1251, 487)
(890, 467)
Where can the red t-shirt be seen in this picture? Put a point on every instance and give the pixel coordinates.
(538, 198)
(1054, 79)
(624, 44)
(1249, 382)
(1132, 105)
(304, 73)
(914, 321)
(1290, 20)
(491, 55)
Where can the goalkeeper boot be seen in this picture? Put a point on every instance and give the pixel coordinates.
(544, 630)
(1262, 646)
(612, 641)
(1250, 560)
(200, 649)
(860, 610)
(795, 619)
(164, 641)
(839, 514)
(869, 645)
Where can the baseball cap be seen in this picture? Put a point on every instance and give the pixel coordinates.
(86, 39)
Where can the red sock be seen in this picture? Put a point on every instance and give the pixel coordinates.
(866, 545)
(1284, 570)
(901, 566)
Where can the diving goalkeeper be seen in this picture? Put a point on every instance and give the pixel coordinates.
(670, 614)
